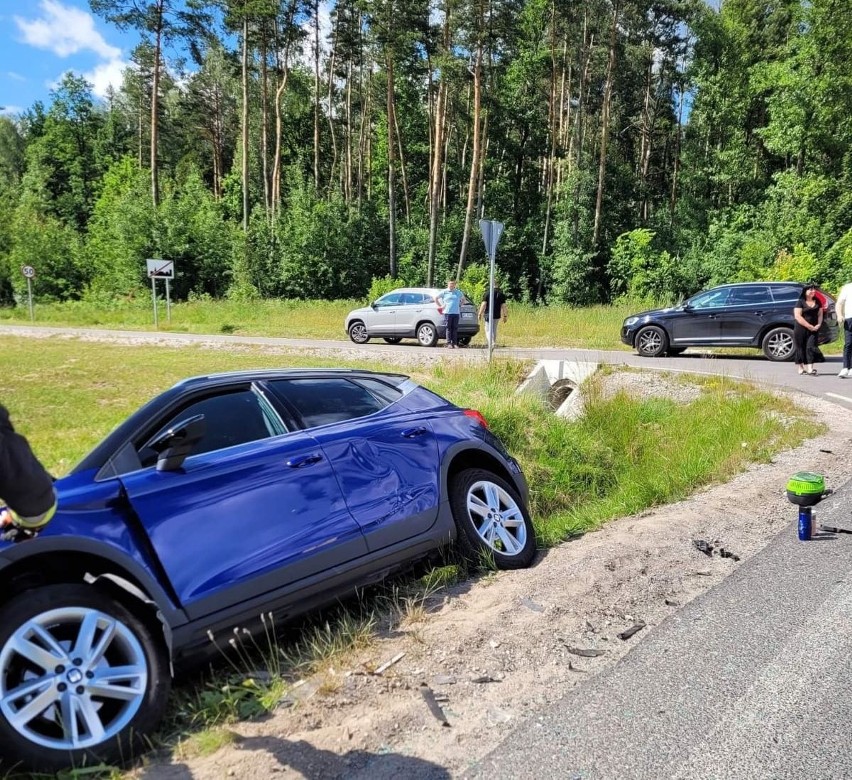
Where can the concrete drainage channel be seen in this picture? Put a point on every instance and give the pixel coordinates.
(557, 383)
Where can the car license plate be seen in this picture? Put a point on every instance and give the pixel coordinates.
(467, 316)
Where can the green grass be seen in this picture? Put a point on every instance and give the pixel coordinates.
(596, 327)
(592, 327)
(624, 455)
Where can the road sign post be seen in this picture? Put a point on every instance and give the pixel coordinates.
(491, 232)
(29, 274)
(160, 269)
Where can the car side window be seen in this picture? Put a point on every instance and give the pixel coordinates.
(411, 299)
(711, 299)
(327, 400)
(757, 294)
(786, 293)
(391, 299)
(231, 418)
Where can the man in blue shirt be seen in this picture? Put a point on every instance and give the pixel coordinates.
(451, 300)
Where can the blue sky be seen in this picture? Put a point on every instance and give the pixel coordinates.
(40, 40)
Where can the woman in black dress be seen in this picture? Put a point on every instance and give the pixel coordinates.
(808, 316)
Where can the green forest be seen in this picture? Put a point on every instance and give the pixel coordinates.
(641, 148)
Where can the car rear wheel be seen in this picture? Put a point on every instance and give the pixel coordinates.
(358, 333)
(778, 344)
(464, 341)
(427, 334)
(651, 341)
(392, 339)
(82, 680)
(492, 521)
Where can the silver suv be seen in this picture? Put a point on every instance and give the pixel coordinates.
(409, 312)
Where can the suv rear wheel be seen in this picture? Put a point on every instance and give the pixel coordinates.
(493, 523)
(778, 344)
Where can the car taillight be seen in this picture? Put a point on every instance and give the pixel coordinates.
(474, 415)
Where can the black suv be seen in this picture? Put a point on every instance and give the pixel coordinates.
(750, 314)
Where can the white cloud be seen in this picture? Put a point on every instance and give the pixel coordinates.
(106, 75)
(10, 110)
(65, 30)
(15, 76)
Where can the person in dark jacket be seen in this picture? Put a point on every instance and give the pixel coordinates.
(26, 488)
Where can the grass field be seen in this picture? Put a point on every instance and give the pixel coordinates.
(596, 327)
(593, 327)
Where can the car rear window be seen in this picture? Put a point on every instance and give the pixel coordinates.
(327, 400)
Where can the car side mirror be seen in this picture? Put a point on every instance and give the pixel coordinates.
(373, 305)
(173, 445)
(686, 306)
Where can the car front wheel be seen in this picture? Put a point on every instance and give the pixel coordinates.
(492, 521)
(651, 341)
(82, 680)
(427, 334)
(358, 333)
(778, 344)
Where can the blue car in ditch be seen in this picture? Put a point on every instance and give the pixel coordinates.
(227, 497)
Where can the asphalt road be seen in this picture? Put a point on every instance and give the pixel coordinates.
(752, 680)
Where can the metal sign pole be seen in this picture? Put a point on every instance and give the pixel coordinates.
(168, 301)
(491, 232)
(491, 313)
(30, 297)
(154, 299)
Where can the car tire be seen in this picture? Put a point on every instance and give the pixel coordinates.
(492, 521)
(61, 644)
(392, 339)
(427, 334)
(464, 341)
(358, 332)
(651, 341)
(778, 344)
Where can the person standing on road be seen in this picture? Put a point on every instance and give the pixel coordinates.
(25, 486)
(485, 314)
(451, 300)
(808, 316)
(843, 308)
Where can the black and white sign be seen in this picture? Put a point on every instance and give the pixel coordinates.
(28, 271)
(161, 269)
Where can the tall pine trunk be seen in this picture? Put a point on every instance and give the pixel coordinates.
(245, 126)
(473, 181)
(155, 103)
(607, 101)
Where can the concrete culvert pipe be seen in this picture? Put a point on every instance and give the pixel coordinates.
(559, 392)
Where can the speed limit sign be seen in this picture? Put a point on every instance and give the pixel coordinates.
(28, 271)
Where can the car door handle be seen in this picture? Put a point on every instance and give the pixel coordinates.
(411, 433)
(712, 316)
(304, 460)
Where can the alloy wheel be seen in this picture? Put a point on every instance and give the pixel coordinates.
(71, 678)
(497, 518)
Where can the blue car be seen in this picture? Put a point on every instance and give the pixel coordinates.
(224, 498)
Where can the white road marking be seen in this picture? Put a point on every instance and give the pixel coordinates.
(841, 397)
